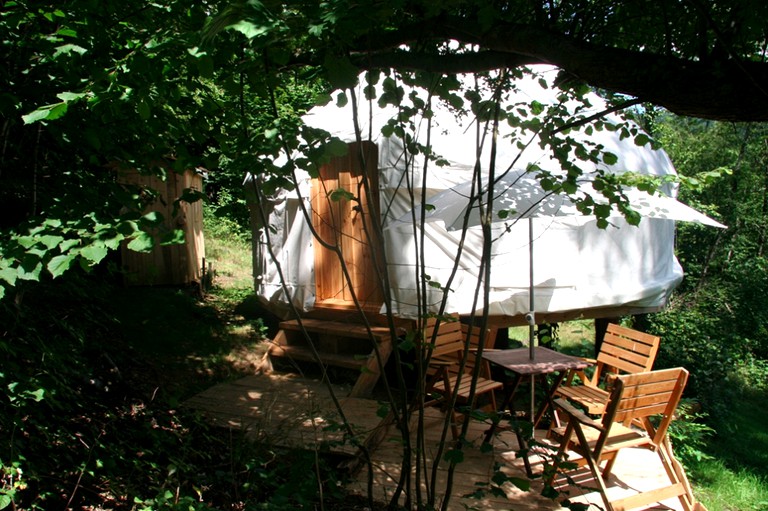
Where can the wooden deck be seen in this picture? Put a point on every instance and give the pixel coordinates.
(290, 411)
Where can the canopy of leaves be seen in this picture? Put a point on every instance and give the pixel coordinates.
(92, 87)
(700, 58)
(166, 86)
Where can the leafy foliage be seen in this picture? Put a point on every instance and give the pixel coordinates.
(91, 88)
(88, 420)
(716, 321)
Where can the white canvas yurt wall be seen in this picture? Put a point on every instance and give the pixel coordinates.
(579, 269)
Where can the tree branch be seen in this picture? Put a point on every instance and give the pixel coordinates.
(734, 90)
(448, 63)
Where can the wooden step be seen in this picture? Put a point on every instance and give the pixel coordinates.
(336, 328)
(346, 345)
(305, 354)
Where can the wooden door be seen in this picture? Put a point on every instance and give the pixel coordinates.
(345, 223)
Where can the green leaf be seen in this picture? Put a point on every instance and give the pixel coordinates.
(59, 264)
(603, 210)
(9, 275)
(127, 227)
(113, 241)
(196, 52)
(40, 114)
(536, 107)
(454, 456)
(316, 30)
(610, 158)
(66, 32)
(66, 97)
(248, 29)
(336, 147)
(340, 194)
(67, 49)
(642, 139)
(66, 245)
(341, 73)
(383, 410)
(175, 237)
(142, 242)
(30, 268)
(144, 109)
(570, 187)
(152, 219)
(37, 395)
(50, 240)
(57, 111)
(27, 241)
(94, 252)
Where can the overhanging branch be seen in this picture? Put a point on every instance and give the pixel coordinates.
(446, 63)
(722, 90)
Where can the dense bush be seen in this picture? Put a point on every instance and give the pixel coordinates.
(696, 336)
(716, 325)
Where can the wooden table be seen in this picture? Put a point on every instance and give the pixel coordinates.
(519, 362)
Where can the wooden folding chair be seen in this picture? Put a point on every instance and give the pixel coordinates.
(624, 351)
(633, 400)
(444, 368)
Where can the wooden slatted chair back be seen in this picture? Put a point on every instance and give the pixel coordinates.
(625, 350)
(474, 337)
(449, 340)
(641, 396)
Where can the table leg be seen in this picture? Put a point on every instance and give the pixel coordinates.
(522, 440)
(548, 400)
(509, 394)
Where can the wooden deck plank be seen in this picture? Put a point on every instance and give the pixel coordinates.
(290, 411)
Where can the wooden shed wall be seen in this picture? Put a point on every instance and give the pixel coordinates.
(172, 264)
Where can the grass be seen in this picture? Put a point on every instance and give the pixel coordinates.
(231, 262)
(723, 489)
(736, 475)
(196, 343)
(747, 420)
(574, 337)
(229, 253)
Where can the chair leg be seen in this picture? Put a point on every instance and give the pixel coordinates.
(561, 452)
(611, 457)
(676, 473)
(594, 467)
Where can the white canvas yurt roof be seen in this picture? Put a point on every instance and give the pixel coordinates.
(579, 267)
